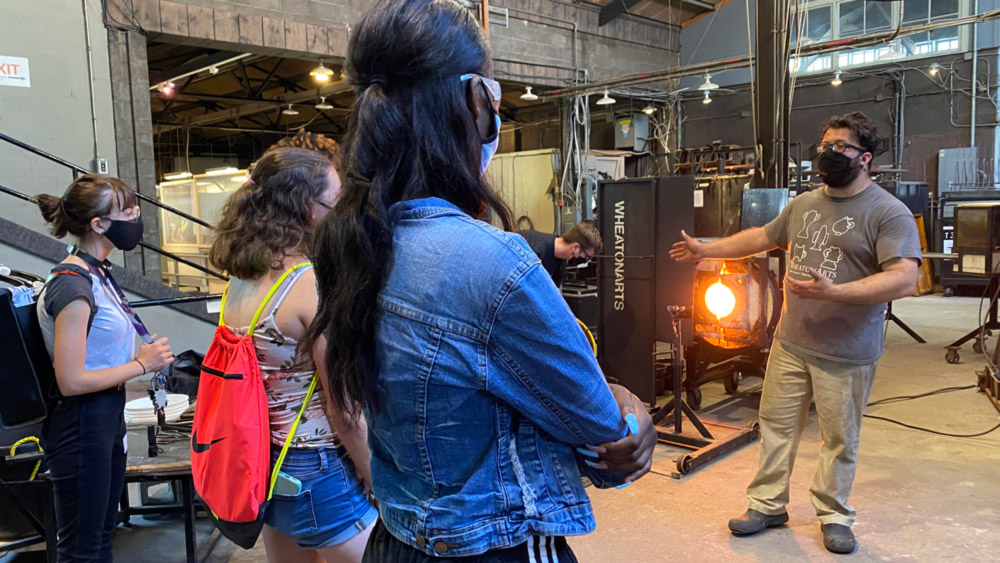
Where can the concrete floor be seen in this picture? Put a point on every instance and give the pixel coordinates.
(919, 497)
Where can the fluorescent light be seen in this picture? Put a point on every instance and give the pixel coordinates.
(528, 95)
(836, 79)
(177, 176)
(204, 183)
(239, 179)
(708, 84)
(221, 171)
(606, 100)
(648, 110)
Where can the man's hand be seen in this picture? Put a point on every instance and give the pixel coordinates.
(819, 287)
(634, 452)
(687, 250)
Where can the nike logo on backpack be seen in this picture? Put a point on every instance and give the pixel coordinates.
(200, 448)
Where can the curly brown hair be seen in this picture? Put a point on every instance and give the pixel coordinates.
(314, 142)
(267, 218)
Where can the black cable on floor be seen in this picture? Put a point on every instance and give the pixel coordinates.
(902, 398)
(933, 431)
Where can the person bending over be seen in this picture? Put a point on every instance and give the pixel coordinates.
(582, 241)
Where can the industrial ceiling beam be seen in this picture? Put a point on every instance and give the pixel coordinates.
(255, 108)
(745, 60)
(194, 67)
(213, 98)
(621, 7)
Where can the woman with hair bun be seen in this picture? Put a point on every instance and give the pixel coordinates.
(89, 333)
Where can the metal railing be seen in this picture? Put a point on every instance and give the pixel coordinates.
(77, 170)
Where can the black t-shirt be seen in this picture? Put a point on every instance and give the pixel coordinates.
(70, 283)
(544, 245)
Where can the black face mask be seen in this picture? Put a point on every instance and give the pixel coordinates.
(125, 235)
(838, 169)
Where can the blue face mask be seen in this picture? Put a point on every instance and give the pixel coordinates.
(490, 148)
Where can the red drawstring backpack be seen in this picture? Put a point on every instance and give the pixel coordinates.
(230, 440)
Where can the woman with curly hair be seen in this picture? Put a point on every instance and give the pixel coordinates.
(263, 234)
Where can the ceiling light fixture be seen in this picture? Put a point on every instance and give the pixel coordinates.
(290, 110)
(707, 99)
(322, 105)
(708, 84)
(893, 51)
(213, 70)
(167, 88)
(836, 79)
(648, 110)
(606, 100)
(528, 95)
(177, 176)
(221, 171)
(935, 68)
(321, 73)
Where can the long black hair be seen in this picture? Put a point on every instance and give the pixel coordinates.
(411, 134)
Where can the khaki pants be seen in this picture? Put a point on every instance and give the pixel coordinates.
(841, 392)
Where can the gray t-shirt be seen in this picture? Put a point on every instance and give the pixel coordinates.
(845, 239)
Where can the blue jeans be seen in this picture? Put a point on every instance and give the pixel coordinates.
(332, 506)
(84, 449)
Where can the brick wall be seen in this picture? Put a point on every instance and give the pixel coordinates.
(537, 45)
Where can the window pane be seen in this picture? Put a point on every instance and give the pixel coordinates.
(877, 16)
(852, 18)
(948, 33)
(818, 24)
(944, 9)
(916, 11)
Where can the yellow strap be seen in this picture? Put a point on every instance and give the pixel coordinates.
(222, 304)
(590, 337)
(267, 298)
(291, 435)
(270, 293)
(38, 463)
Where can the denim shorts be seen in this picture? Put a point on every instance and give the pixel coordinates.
(332, 507)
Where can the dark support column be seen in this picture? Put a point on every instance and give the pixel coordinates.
(134, 137)
(771, 91)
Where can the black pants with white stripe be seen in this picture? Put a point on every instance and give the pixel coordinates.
(383, 547)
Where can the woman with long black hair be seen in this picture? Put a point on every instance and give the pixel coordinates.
(88, 330)
(481, 391)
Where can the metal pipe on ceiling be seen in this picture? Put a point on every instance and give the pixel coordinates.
(202, 69)
(745, 60)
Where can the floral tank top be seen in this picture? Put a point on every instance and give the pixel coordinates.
(287, 382)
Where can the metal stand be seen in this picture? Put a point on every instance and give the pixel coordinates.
(988, 378)
(986, 328)
(889, 316)
(706, 447)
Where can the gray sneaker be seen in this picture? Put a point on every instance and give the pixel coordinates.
(752, 522)
(838, 538)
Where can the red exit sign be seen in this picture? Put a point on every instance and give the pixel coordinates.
(14, 72)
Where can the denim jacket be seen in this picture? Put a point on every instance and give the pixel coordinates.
(485, 386)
